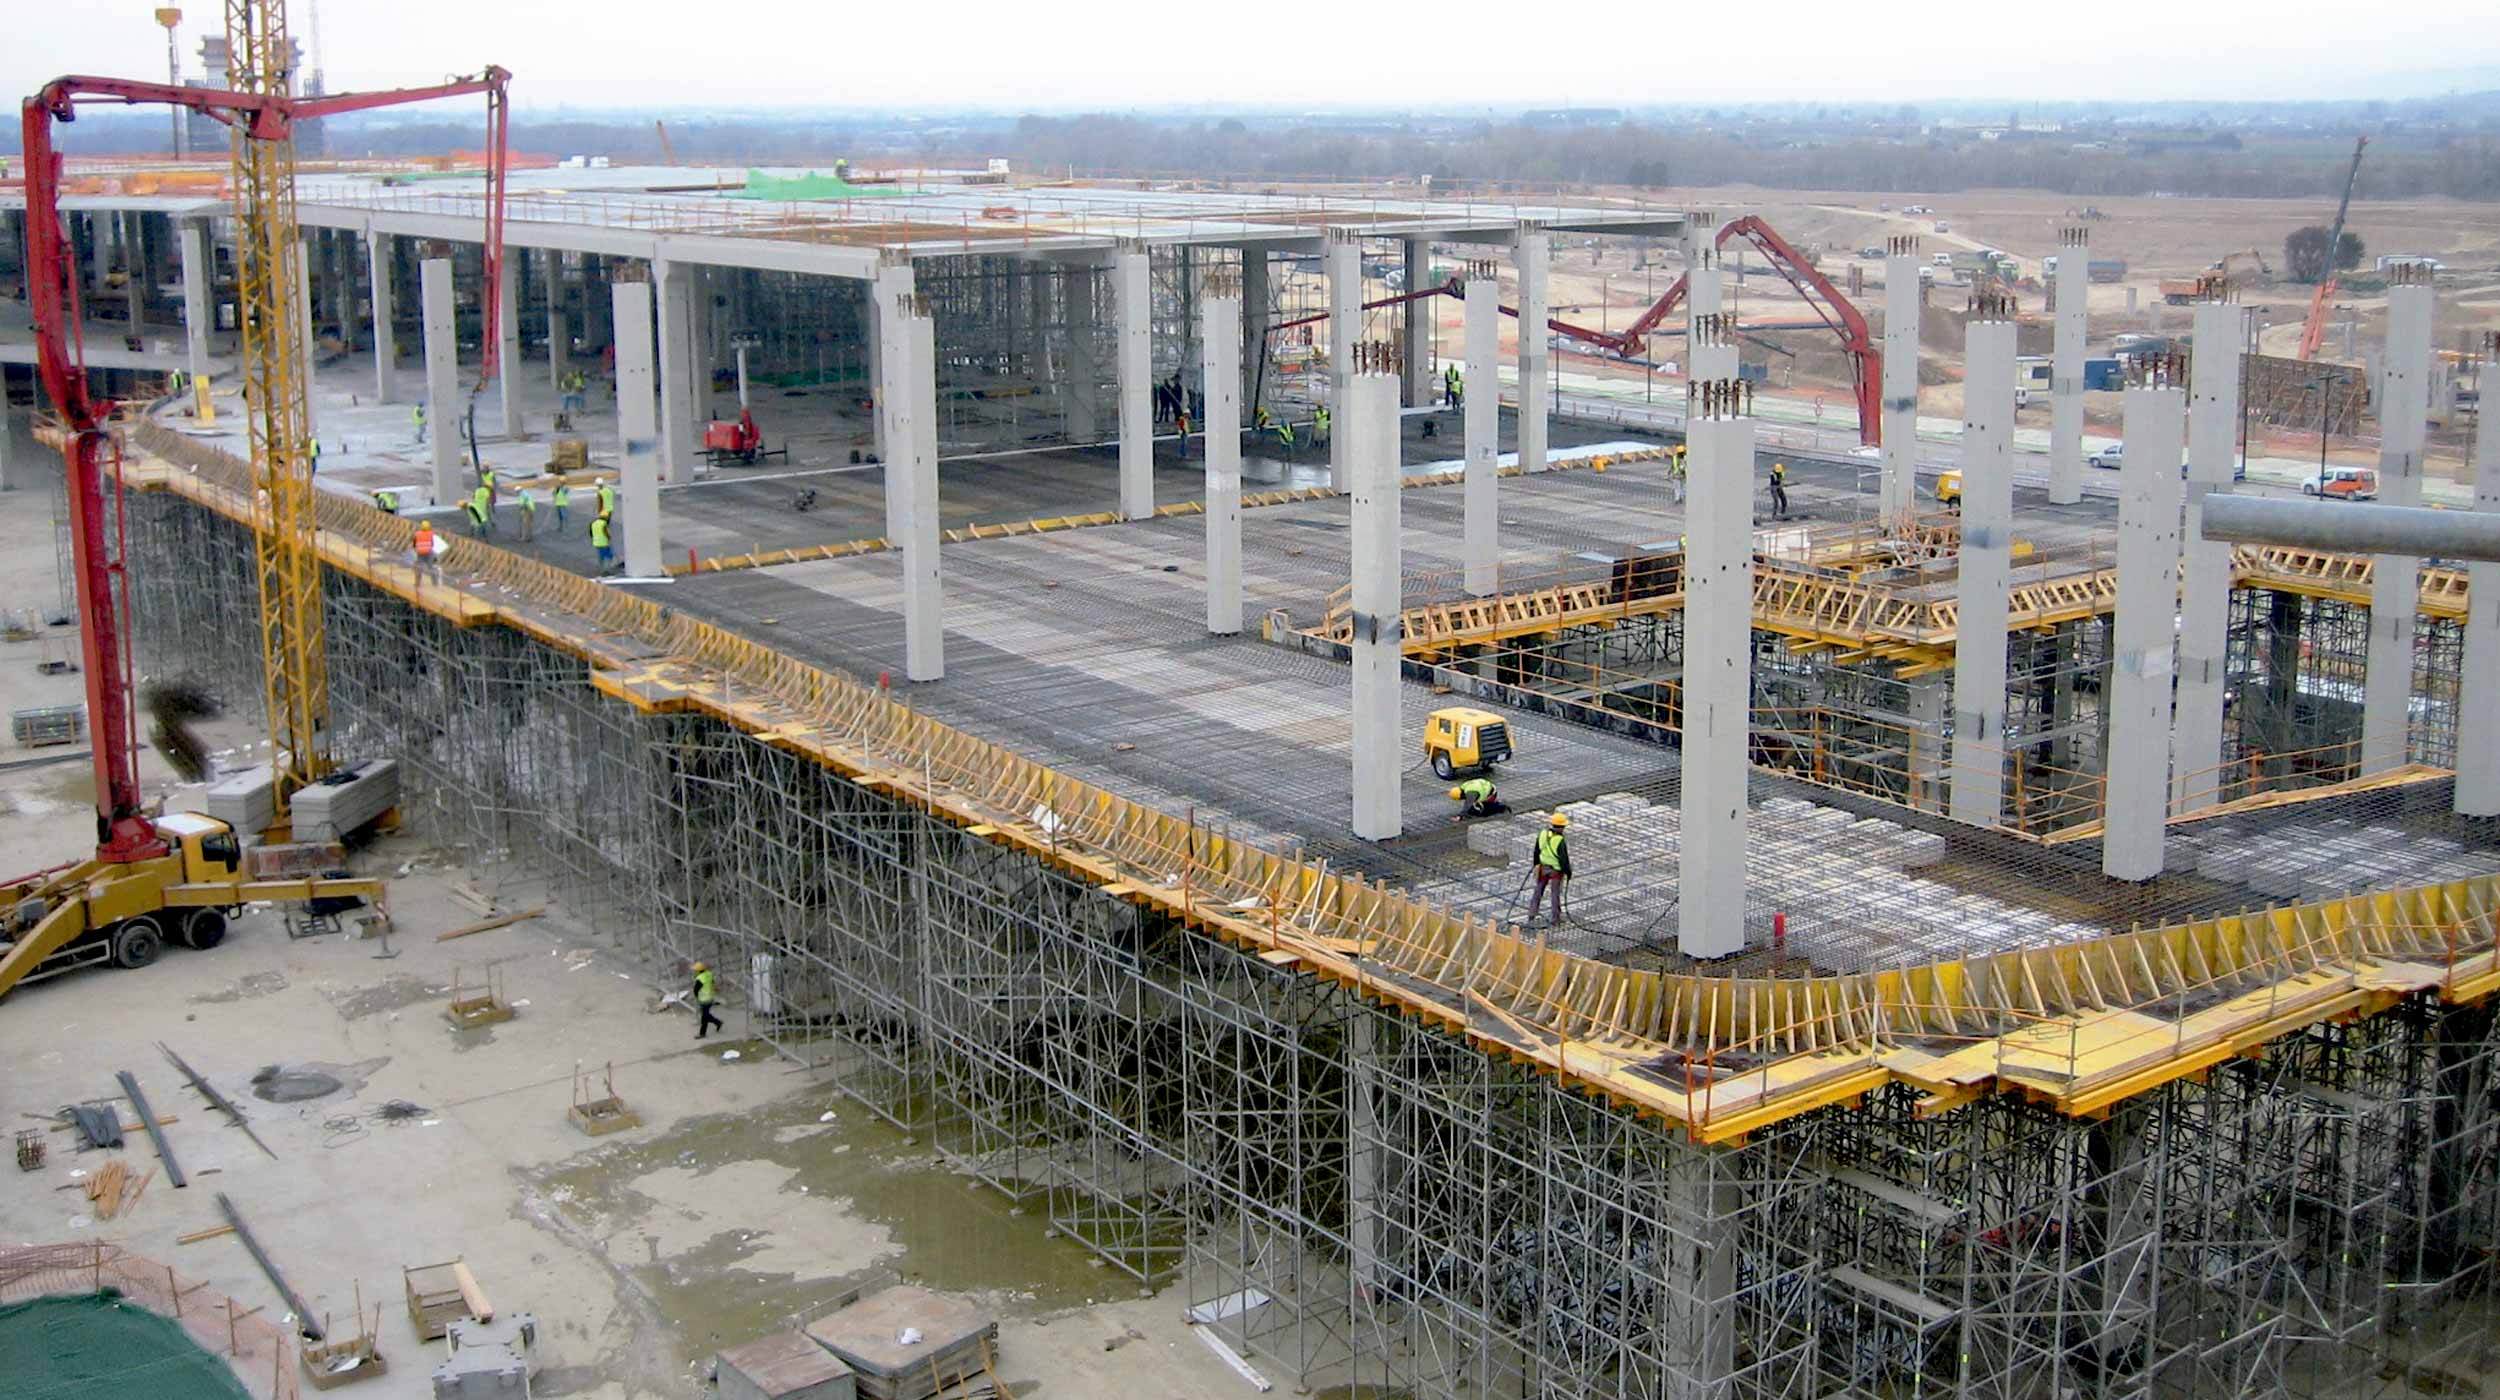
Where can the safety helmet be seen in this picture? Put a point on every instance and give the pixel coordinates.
(702, 967)
(1560, 821)
(1455, 794)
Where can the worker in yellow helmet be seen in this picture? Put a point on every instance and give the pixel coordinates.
(706, 992)
(1553, 866)
(1480, 799)
(1779, 490)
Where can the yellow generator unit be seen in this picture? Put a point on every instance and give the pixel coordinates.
(1462, 740)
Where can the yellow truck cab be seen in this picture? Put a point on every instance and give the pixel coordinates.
(1949, 489)
(1461, 739)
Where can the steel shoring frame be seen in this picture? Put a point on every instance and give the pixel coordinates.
(2321, 1220)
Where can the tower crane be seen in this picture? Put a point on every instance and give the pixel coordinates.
(184, 870)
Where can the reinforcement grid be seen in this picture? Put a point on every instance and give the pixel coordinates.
(1356, 1200)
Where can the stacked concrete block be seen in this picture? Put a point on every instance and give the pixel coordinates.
(784, 1366)
(346, 801)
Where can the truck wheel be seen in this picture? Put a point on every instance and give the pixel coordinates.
(1441, 767)
(137, 942)
(203, 929)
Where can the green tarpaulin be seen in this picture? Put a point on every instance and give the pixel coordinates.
(102, 1347)
(811, 186)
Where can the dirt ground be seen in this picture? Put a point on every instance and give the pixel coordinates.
(751, 1196)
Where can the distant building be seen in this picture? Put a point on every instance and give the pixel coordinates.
(209, 136)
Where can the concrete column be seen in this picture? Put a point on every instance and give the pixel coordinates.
(2142, 633)
(198, 315)
(912, 488)
(385, 335)
(559, 328)
(1369, 426)
(1899, 494)
(2213, 408)
(672, 289)
(638, 431)
(893, 290)
(1219, 342)
(1418, 390)
(1132, 290)
(1081, 379)
(1710, 358)
(1342, 260)
(508, 342)
(1985, 574)
(2478, 697)
(1254, 308)
(442, 376)
(1483, 409)
(1532, 251)
(2074, 293)
(2395, 582)
(1718, 669)
(311, 351)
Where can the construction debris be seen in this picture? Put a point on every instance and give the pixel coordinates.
(30, 1150)
(304, 1323)
(155, 1127)
(216, 1100)
(484, 1006)
(488, 925)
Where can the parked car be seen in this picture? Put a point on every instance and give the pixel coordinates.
(2344, 484)
(2109, 458)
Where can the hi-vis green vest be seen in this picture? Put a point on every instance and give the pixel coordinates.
(1549, 848)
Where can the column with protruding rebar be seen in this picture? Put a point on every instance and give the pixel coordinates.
(2213, 409)
(1369, 427)
(1984, 572)
(1718, 658)
(1899, 493)
(2074, 291)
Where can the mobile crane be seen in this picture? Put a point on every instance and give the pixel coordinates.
(183, 873)
(2313, 330)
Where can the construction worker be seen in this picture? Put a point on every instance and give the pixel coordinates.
(1676, 474)
(482, 508)
(599, 541)
(607, 497)
(1779, 490)
(1284, 437)
(486, 481)
(527, 500)
(421, 549)
(1319, 426)
(1449, 385)
(563, 500)
(1478, 794)
(386, 501)
(1184, 435)
(706, 992)
(420, 414)
(1553, 866)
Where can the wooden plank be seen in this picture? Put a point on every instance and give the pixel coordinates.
(487, 925)
(471, 1293)
(209, 1234)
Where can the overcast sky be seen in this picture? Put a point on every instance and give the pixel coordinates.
(1106, 54)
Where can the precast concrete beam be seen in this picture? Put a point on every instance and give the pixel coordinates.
(442, 375)
(1984, 576)
(2213, 412)
(2136, 804)
(1718, 670)
(1482, 406)
(2395, 580)
(1532, 253)
(1132, 287)
(1219, 340)
(637, 431)
(1899, 493)
(1370, 429)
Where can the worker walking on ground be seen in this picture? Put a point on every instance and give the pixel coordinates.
(1284, 438)
(1779, 490)
(1184, 435)
(607, 498)
(1480, 799)
(421, 549)
(563, 500)
(420, 415)
(1449, 385)
(706, 992)
(527, 500)
(482, 509)
(599, 542)
(1319, 426)
(1553, 866)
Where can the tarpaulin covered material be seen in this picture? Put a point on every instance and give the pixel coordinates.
(102, 1347)
(811, 186)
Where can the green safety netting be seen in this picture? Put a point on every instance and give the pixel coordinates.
(811, 186)
(103, 1347)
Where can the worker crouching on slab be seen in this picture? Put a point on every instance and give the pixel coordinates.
(1479, 798)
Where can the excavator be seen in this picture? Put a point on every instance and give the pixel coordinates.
(1632, 342)
(184, 875)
